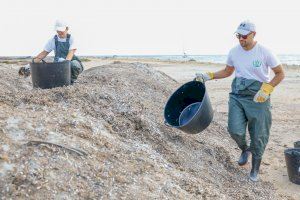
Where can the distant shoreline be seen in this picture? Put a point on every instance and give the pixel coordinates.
(133, 58)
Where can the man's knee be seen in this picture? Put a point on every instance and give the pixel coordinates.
(76, 65)
(236, 135)
(235, 128)
(239, 138)
(259, 143)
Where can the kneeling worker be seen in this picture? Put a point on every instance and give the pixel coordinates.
(64, 49)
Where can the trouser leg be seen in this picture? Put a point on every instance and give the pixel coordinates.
(237, 122)
(259, 124)
(76, 69)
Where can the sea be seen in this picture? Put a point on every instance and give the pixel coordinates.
(285, 59)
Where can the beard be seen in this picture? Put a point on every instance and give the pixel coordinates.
(243, 43)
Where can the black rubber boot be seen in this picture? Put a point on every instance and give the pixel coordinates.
(255, 169)
(244, 157)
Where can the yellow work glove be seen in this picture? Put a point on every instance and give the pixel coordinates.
(264, 93)
(203, 77)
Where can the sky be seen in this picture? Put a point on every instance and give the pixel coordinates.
(148, 27)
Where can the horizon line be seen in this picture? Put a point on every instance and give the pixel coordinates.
(115, 55)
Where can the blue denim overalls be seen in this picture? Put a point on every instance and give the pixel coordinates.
(61, 51)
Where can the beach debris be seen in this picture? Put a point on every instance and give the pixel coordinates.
(25, 71)
(75, 150)
(115, 114)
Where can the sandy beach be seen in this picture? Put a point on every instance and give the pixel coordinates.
(131, 152)
(285, 111)
(286, 119)
(98, 100)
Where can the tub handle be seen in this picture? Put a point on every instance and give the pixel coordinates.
(41, 60)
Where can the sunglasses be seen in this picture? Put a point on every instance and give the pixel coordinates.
(239, 36)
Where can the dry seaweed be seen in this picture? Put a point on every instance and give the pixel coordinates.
(115, 113)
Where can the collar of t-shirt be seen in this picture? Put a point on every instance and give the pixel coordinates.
(249, 51)
(61, 39)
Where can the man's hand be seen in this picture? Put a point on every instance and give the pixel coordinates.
(264, 93)
(61, 59)
(25, 70)
(203, 77)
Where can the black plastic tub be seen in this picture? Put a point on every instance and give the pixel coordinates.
(190, 97)
(292, 159)
(49, 75)
(297, 144)
(188, 113)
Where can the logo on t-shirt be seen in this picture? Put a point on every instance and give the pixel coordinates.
(256, 63)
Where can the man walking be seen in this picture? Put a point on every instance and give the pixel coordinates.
(249, 99)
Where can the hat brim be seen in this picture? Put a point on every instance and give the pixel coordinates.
(242, 32)
(60, 28)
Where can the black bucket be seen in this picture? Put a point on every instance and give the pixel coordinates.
(292, 159)
(49, 75)
(297, 144)
(189, 108)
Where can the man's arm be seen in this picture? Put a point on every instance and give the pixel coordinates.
(224, 73)
(267, 88)
(70, 54)
(279, 75)
(40, 56)
(25, 70)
